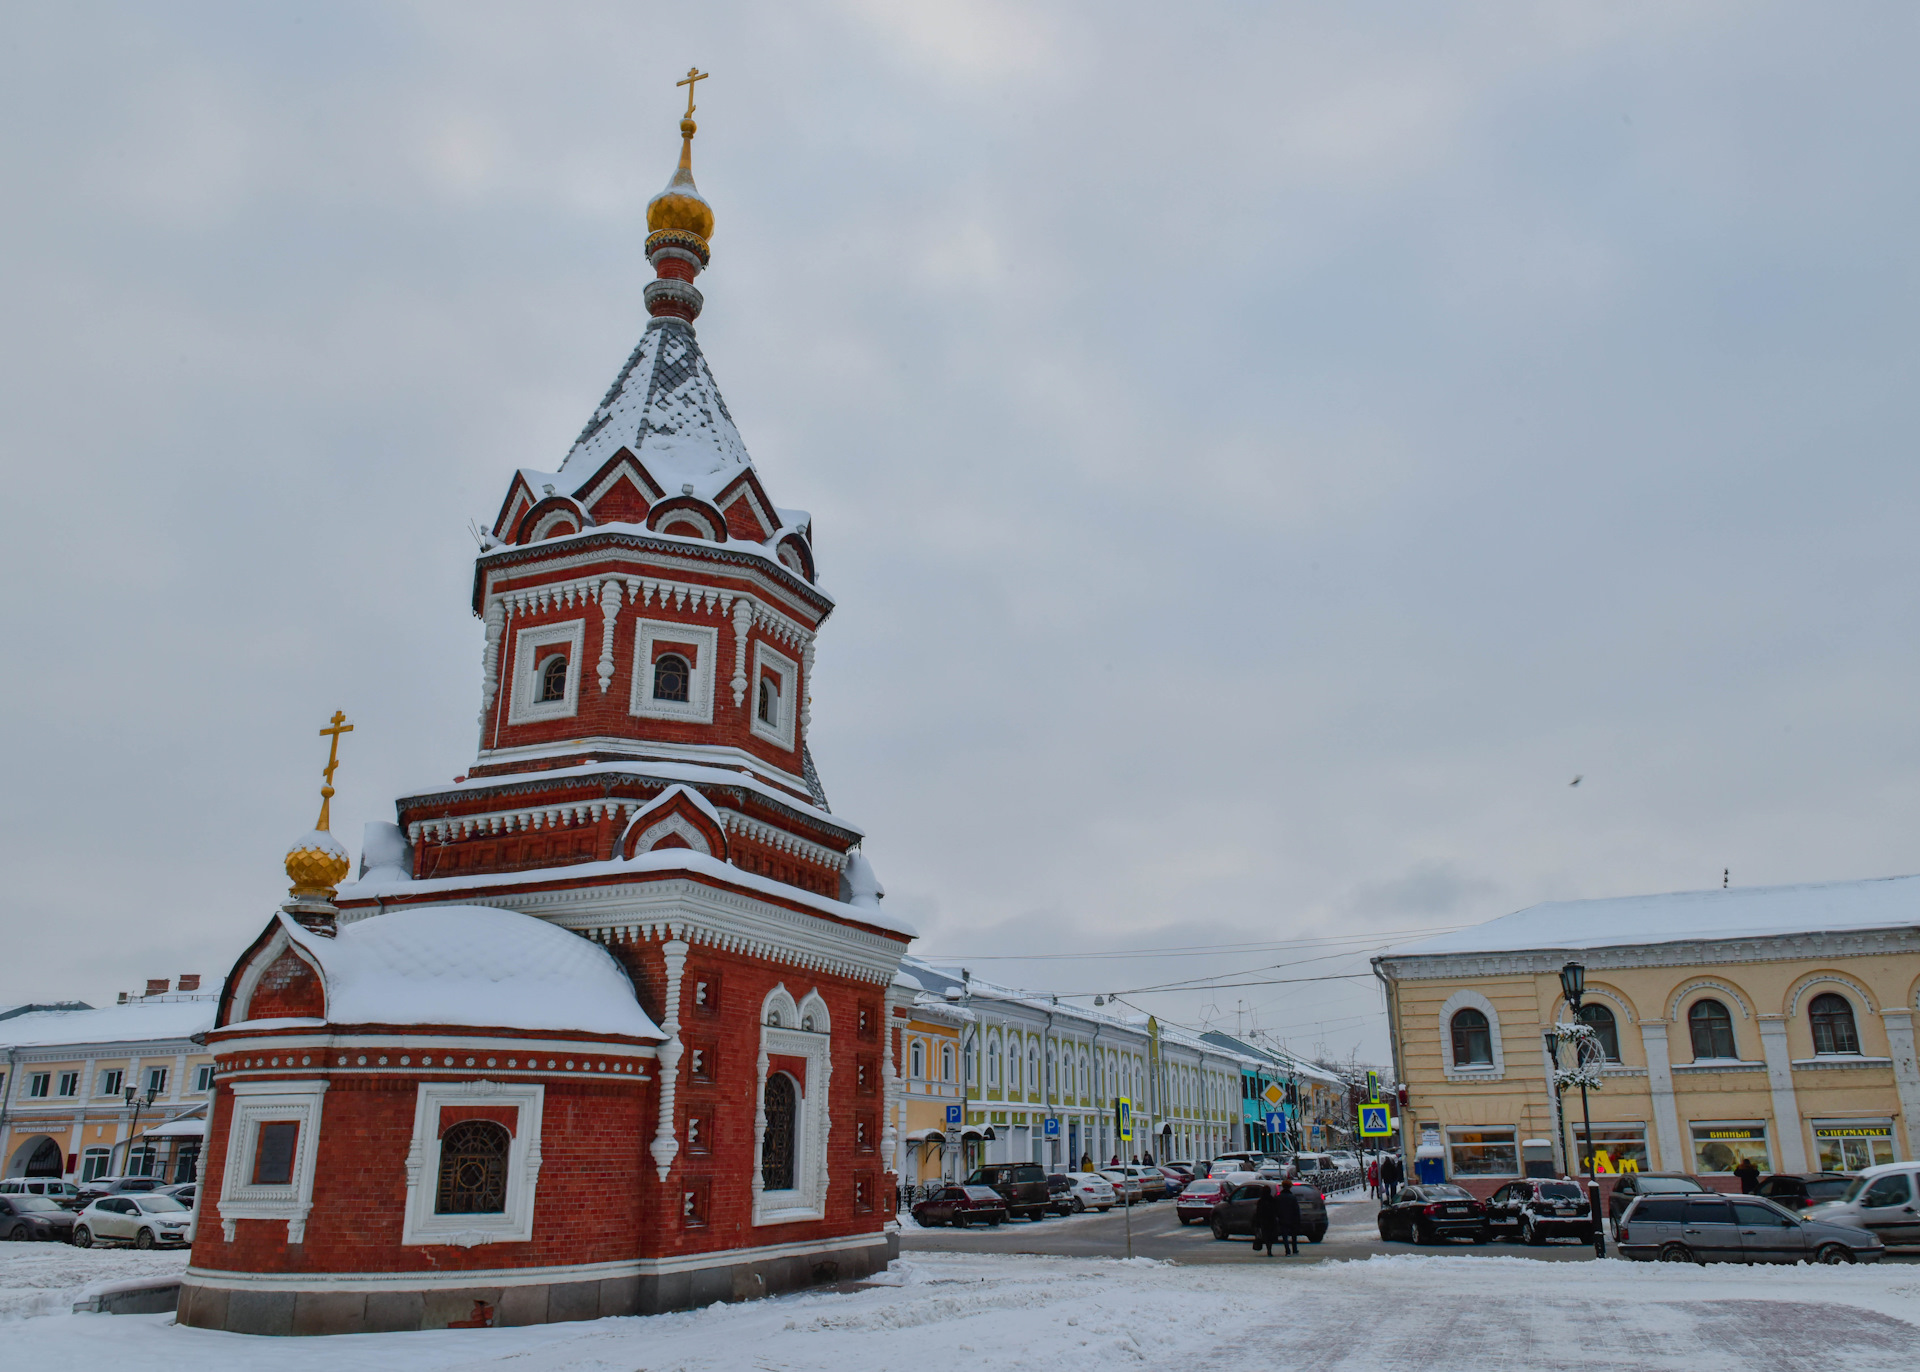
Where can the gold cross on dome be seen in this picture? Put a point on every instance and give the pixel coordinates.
(338, 726)
(693, 74)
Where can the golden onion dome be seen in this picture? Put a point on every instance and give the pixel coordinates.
(681, 206)
(316, 863)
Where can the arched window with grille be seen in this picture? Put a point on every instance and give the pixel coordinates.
(1833, 1028)
(1605, 1028)
(1711, 1028)
(553, 678)
(473, 1169)
(780, 1144)
(671, 677)
(770, 700)
(1472, 1039)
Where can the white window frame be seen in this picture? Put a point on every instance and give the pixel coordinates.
(697, 708)
(766, 661)
(157, 1080)
(807, 1199)
(1463, 1000)
(68, 1086)
(514, 1224)
(203, 1077)
(114, 1075)
(39, 1085)
(271, 1102)
(525, 706)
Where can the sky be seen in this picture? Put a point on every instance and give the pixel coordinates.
(1263, 453)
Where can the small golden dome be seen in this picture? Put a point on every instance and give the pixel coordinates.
(681, 206)
(316, 864)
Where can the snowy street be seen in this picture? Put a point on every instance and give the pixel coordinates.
(950, 1310)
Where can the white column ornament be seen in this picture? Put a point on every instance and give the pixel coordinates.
(806, 687)
(759, 1178)
(665, 1145)
(609, 616)
(1666, 1115)
(742, 621)
(1906, 1071)
(490, 661)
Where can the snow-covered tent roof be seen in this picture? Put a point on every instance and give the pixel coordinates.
(1686, 916)
(471, 965)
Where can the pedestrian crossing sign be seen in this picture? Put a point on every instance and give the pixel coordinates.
(1123, 1115)
(1376, 1121)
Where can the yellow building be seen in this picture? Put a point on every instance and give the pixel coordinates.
(929, 1088)
(1772, 1023)
(64, 1080)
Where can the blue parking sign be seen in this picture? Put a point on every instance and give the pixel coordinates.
(1053, 1128)
(953, 1114)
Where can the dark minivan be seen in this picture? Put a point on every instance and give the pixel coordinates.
(1022, 1185)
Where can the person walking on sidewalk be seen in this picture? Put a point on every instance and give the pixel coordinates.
(1266, 1220)
(1373, 1179)
(1286, 1207)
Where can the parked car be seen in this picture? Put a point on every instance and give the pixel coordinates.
(1883, 1200)
(1153, 1185)
(1022, 1185)
(1174, 1178)
(1310, 1164)
(117, 1186)
(1535, 1210)
(1234, 1215)
(960, 1206)
(1430, 1213)
(62, 1193)
(1257, 1163)
(1707, 1227)
(1798, 1190)
(34, 1217)
(1127, 1187)
(1198, 1198)
(145, 1221)
(1633, 1185)
(183, 1193)
(1087, 1191)
(1345, 1162)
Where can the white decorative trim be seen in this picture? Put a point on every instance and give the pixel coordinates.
(784, 840)
(1700, 1065)
(806, 684)
(639, 481)
(515, 1223)
(544, 526)
(609, 619)
(521, 821)
(699, 518)
(742, 623)
(1705, 984)
(1816, 947)
(1463, 999)
(665, 1145)
(679, 826)
(769, 661)
(1786, 1105)
(270, 1102)
(496, 620)
(807, 1200)
(1813, 979)
(524, 705)
(242, 1002)
(698, 706)
(636, 754)
(1838, 1062)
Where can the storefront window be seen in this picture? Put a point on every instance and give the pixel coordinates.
(1850, 1147)
(1616, 1148)
(1721, 1147)
(1483, 1153)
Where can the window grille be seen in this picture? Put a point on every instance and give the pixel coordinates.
(473, 1169)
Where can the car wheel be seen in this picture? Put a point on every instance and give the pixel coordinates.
(1482, 1234)
(1678, 1252)
(1079, 1206)
(82, 1236)
(18, 1234)
(144, 1239)
(1219, 1230)
(1384, 1237)
(1036, 1215)
(1836, 1254)
(1315, 1235)
(1421, 1235)
(1530, 1233)
(993, 1221)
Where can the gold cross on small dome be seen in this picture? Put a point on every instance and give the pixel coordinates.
(693, 74)
(337, 727)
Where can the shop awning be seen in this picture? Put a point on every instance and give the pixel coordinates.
(926, 1136)
(177, 1129)
(979, 1131)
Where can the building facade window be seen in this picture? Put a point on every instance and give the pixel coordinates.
(1482, 1152)
(946, 1062)
(1711, 1028)
(778, 1145)
(110, 1082)
(1605, 1028)
(94, 1163)
(769, 706)
(473, 1169)
(1616, 1148)
(553, 678)
(39, 1084)
(1472, 1040)
(671, 677)
(203, 1077)
(1722, 1147)
(69, 1083)
(1851, 1145)
(919, 1068)
(156, 1081)
(1833, 1028)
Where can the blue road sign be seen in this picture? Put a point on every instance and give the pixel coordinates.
(1275, 1122)
(1375, 1121)
(953, 1114)
(1053, 1128)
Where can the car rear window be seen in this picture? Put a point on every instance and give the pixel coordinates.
(1559, 1190)
(1446, 1193)
(1828, 1188)
(1660, 1210)
(159, 1205)
(1648, 1186)
(1201, 1188)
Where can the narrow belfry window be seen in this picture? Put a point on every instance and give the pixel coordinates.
(1711, 1028)
(1833, 1027)
(777, 1145)
(671, 677)
(473, 1169)
(770, 701)
(553, 679)
(1472, 1041)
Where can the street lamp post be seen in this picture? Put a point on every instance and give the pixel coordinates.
(134, 1103)
(1573, 982)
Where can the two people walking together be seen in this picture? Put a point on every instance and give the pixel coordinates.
(1276, 1218)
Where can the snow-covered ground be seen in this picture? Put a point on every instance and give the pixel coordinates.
(965, 1311)
(47, 1278)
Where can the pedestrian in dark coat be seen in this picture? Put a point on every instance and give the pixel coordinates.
(1286, 1207)
(1749, 1175)
(1266, 1220)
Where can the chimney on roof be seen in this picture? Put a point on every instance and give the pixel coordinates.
(189, 981)
(156, 986)
(123, 998)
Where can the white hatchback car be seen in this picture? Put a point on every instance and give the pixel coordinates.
(1090, 1191)
(145, 1221)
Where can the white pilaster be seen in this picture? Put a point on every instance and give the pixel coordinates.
(609, 617)
(1666, 1116)
(1906, 1073)
(665, 1145)
(1791, 1133)
(742, 622)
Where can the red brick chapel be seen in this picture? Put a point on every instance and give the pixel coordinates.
(600, 1028)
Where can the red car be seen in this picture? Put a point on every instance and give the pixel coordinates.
(1197, 1199)
(961, 1206)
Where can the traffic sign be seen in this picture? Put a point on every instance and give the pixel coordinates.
(1276, 1122)
(953, 1114)
(1053, 1128)
(1376, 1121)
(1123, 1113)
(1273, 1095)
(1373, 1086)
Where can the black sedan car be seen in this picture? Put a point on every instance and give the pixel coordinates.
(1234, 1215)
(1798, 1190)
(960, 1206)
(1431, 1213)
(34, 1217)
(1536, 1210)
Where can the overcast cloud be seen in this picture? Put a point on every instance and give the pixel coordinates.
(1263, 452)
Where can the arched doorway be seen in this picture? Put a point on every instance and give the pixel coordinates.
(39, 1156)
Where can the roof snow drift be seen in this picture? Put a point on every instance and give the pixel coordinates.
(1685, 916)
(472, 965)
(130, 1023)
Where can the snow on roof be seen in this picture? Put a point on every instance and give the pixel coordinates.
(1681, 916)
(666, 407)
(474, 965)
(172, 1018)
